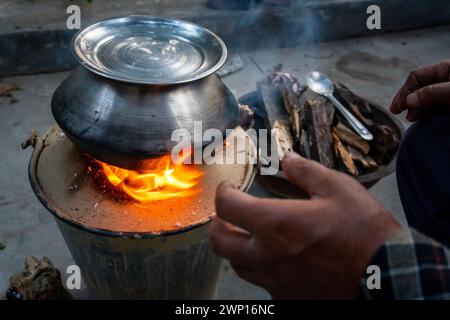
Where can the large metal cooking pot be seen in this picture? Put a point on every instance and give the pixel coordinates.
(141, 78)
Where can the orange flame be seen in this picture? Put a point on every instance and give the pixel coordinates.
(158, 179)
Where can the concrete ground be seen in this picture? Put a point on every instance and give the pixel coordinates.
(16, 15)
(374, 67)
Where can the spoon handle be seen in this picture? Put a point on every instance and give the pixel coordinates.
(355, 123)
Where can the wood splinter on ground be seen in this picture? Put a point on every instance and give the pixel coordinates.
(7, 89)
(40, 281)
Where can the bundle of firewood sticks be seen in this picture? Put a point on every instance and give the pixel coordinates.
(307, 123)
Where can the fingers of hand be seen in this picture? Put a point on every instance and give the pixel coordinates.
(230, 242)
(399, 102)
(417, 79)
(414, 115)
(257, 215)
(237, 207)
(308, 175)
(434, 95)
(252, 275)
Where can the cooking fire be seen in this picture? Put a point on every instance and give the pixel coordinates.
(157, 179)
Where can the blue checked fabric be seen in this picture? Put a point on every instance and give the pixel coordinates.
(413, 266)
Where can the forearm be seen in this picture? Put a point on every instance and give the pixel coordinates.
(412, 267)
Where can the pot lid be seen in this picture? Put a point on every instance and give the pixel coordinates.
(149, 50)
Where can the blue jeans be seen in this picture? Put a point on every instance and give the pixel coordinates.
(423, 176)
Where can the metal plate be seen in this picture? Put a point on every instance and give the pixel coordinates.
(149, 50)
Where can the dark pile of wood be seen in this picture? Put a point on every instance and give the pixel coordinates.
(308, 124)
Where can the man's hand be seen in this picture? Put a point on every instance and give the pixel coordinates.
(424, 89)
(316, 248)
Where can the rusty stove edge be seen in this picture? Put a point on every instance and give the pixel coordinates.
(55, 211)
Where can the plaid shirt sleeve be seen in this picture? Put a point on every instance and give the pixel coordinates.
(412, 266)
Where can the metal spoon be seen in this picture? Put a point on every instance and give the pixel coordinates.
(321, 84)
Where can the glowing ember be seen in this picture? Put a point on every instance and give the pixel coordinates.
(158, 179)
